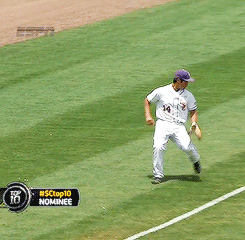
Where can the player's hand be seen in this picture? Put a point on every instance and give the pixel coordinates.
(150, 121)
(198, 132)
(193, 127)
(196, 129)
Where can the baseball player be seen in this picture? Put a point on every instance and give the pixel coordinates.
(173, 106)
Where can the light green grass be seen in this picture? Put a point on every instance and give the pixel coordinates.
(222, 221)
(72, 116)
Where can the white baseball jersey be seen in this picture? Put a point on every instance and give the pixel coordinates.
(172, 106)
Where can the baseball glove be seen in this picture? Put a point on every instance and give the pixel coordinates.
(196, 129)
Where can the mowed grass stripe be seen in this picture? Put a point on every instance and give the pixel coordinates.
(74, 136)
(119, 181)
(93, 128)
(46, 77)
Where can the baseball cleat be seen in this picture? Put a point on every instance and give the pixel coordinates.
(197, 167)
(157, 180)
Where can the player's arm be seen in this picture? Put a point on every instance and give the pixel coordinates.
(194, 125)
(148, 118)
(193, 117)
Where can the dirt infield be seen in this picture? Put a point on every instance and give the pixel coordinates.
(61, 14)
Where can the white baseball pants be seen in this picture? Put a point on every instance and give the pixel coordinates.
(177, 133)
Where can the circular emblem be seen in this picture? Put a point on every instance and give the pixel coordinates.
(17, 197)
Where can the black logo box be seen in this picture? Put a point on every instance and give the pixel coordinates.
(53, 193)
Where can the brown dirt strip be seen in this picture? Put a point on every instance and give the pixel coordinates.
(61, 14)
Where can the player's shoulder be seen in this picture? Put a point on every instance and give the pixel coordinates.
(160, 91)
(187, 93)
(164, 88)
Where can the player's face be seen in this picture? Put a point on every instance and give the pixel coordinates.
(183, 84)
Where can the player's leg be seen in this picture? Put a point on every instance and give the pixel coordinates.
(161, 137)
(183, 141)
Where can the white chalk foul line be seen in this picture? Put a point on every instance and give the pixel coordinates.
(188, 214)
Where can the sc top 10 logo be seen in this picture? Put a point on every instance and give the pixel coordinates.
(17, 197)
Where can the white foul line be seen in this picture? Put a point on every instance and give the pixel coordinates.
(188, 214)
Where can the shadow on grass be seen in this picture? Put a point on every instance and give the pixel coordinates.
(187, 178)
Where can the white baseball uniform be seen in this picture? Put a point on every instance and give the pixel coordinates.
(172, 110)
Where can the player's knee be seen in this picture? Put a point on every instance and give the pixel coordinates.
(186, 147)
(159, 148)
(190, 148)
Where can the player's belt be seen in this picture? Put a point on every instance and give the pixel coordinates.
(176, 121)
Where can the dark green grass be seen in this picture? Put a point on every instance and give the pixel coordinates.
(219, 80)
(72, 115)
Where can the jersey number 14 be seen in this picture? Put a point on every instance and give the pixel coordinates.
(166, 108)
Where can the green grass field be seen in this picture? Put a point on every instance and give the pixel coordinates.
(72, 116)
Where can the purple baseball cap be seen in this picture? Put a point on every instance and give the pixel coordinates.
(184, 75)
